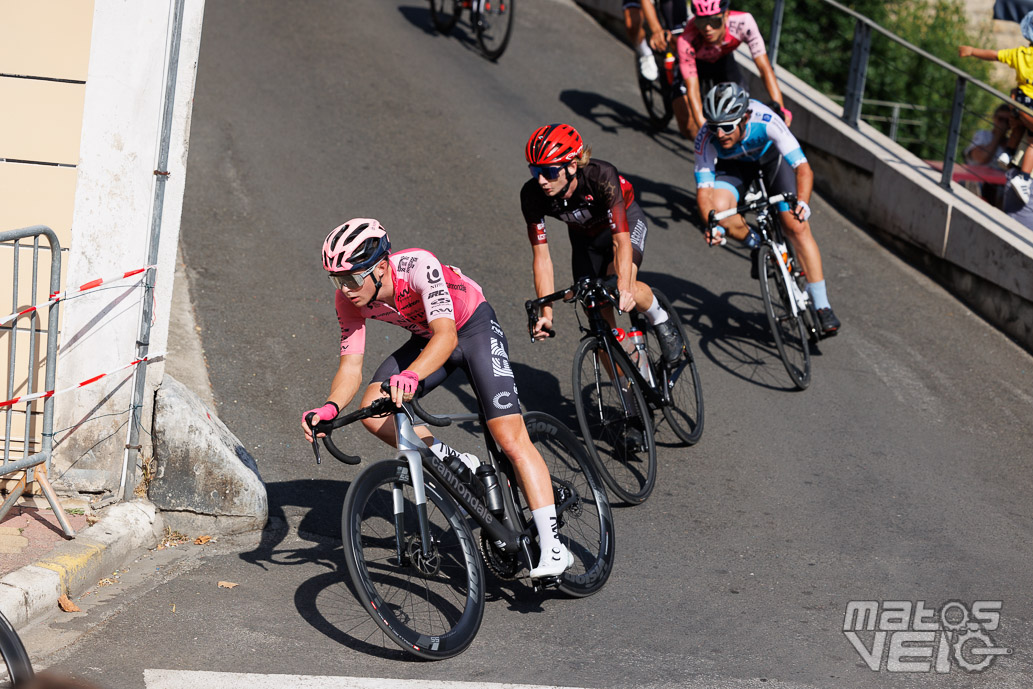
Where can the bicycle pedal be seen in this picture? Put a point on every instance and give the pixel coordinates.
(546, 583)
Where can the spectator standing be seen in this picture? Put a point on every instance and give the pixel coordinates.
(1021, 60)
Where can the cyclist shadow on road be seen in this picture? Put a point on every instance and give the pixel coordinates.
(419, 16)
(733, 330)
(322, 502)
(665, 205)
(611, 116)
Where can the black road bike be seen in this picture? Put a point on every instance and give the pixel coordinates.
(658, 94)
(492, 21)
(616, 398)
(409, 546)
(783, 286)
(17, 668)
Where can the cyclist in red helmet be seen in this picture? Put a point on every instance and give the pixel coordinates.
(452, 327)
(705, 56)
(607, 229)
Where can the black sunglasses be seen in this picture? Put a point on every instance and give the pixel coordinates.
(549, 171)
(714, 21)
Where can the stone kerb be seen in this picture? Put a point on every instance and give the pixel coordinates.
(205, 480)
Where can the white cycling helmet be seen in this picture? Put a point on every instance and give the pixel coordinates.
(726, 102)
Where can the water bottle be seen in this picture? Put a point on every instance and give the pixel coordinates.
(492, 489)
(640, 357)
(458, 467)
(626, 342)
(669, 67)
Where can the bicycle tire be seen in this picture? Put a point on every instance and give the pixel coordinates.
(444, 14)
(16, 658)
(656, 97)
(787, 329)
(441, 599)
(628, 474)
(684, 415)
(586, 526)
(494, 25)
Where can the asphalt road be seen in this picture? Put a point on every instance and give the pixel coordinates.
(903, 473)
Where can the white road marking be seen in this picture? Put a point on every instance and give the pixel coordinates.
(191, 679)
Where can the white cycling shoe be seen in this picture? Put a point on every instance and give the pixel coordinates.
(647, 67)
(553, 563)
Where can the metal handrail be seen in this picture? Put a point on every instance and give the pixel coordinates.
(859, 66)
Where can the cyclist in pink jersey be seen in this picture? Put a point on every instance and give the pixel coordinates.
(705, 57)
(452, 327)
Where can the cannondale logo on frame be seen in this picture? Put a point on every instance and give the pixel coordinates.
(901, 636)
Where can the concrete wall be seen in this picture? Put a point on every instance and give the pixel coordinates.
(974, 249)
(107, 180)
(114, 203)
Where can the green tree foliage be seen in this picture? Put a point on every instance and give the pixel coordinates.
(816, 45)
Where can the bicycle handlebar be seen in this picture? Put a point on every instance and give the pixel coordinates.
(715, 217)
(583, 291)
(382, 406)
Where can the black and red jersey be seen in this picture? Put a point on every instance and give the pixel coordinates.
(598, 204)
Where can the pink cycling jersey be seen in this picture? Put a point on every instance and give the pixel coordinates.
(741, 27)
(425, 290)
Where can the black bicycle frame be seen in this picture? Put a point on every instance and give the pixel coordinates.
(601, 330)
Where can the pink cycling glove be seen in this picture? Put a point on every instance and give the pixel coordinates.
(406, 381)
(328, 412)
(787, 116)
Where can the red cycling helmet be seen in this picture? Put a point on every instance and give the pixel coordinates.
(708, 8)
(554, 144)
(356, 245)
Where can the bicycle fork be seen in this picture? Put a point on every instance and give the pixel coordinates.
(798, 297)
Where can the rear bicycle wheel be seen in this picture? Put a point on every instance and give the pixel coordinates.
(444, 14)
(17, 667)
(684, 413)
(656, 97)
(620, 441)
(787, 329)
(493, 24)
(585, 522)
(430, 605)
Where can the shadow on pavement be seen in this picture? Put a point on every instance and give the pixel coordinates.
(665, 205)
(419, 16)
(733, 330)
(321, 502)
(611, 116)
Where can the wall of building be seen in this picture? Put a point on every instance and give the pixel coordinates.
(84, 88)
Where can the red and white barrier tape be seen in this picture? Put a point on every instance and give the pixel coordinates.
(52, 393)
(58, 296)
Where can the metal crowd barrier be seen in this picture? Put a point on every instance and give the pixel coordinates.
(27, 323)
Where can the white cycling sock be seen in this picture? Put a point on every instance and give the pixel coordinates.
(442, 450)
(545, 522)
(818, 294)
(655, 314)
(643, 48)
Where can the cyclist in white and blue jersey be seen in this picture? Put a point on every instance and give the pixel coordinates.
(745, 139)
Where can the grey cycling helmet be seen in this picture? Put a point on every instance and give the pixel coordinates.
(725, 102)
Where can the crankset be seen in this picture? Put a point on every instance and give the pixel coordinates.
(501, 564)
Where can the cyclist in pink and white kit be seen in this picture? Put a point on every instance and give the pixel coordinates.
(452, 327)
(705, 57)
